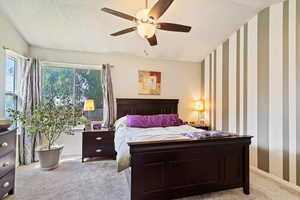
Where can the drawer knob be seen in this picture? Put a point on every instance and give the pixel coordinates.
(98, 150)
(4, 144)
(6, 164)
(99, 138)
(6, 184)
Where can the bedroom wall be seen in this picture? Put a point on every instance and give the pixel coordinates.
(10, 38)
(253, 81)
(179, 80)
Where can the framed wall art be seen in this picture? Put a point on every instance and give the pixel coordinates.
(149, 83)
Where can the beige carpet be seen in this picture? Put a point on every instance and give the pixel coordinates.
(99, 180)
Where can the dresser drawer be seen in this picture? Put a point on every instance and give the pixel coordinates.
(99, 150)
(7, 142)
(7, 163)
(98, 138)
(7, 183)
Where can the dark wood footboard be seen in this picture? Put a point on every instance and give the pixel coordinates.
(174, 169)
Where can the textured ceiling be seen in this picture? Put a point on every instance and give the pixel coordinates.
(80, 25)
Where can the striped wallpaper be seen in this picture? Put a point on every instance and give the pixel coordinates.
(251, 84)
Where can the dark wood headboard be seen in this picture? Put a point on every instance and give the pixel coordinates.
(146, 107)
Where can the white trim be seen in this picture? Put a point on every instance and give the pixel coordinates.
(70, 65)
(20, 59)
(14, 54)
(287, 185)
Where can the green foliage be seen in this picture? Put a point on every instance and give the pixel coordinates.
(88, 86)
(50, 120)
(76, 84)
(57, 83)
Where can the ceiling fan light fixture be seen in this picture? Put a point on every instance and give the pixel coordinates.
(146, 26)
(146, 21)
(146, 30)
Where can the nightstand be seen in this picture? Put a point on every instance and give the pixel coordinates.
(98, 143)
(198, 126)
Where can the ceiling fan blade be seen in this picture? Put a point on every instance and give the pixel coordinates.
(119, 14)
(152, 41)
(174, 27)
(160, 8)
(128, 30)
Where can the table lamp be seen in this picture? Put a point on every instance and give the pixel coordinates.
(199, 107)
(89, 106)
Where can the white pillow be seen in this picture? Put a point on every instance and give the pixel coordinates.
(122, 122)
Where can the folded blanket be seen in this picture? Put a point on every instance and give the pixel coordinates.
(207, 134)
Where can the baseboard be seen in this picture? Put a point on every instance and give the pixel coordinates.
(287, 185)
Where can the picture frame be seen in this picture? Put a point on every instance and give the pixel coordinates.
(149, 83)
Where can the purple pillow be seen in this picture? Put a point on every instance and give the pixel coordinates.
(150, 121)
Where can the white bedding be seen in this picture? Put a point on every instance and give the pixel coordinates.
(125, 134)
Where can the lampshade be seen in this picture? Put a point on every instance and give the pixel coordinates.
(89, 105)
(199, 105)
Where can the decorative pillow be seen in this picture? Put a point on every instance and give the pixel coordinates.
(151, 121)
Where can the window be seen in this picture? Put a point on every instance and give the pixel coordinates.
(76, 84)
(11, 96)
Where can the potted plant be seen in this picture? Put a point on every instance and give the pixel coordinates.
(51, 121)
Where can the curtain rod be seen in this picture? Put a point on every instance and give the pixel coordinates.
(62, 64)
(14, 52)
(55, 63)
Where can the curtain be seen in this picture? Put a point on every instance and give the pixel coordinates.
(108, 97)
(30, 95)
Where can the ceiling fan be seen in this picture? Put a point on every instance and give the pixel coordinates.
(147, 21)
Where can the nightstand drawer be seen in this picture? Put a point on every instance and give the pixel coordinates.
(99, 150)
(98, 138)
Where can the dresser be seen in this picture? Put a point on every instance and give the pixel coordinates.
(7, 162)
(98, 143)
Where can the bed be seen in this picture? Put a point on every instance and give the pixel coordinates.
(174, 168)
